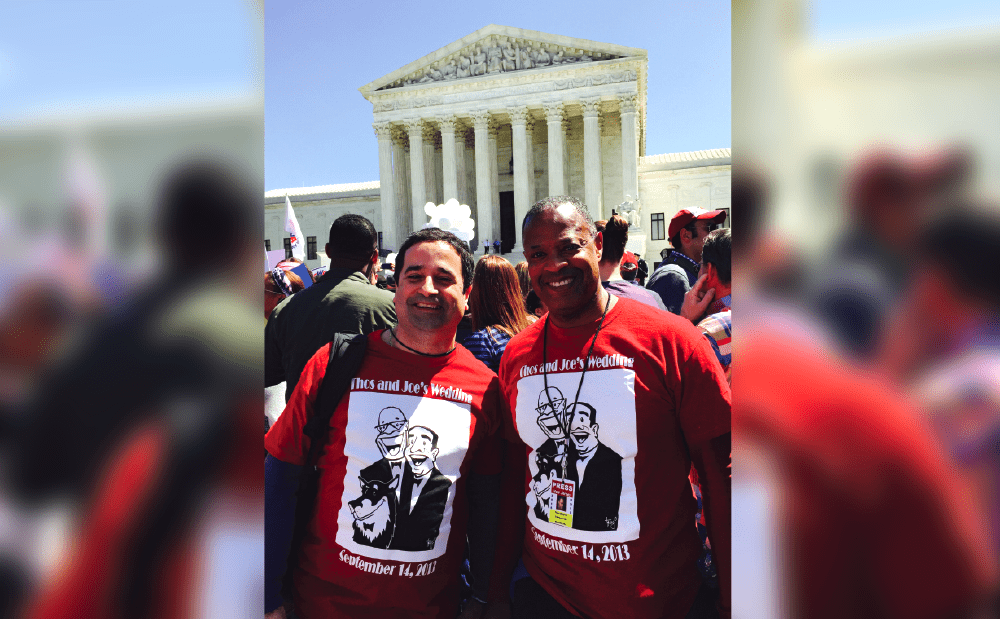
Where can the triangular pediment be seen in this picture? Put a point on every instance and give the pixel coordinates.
(498, 50)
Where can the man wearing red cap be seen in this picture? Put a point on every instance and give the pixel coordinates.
(679, 270)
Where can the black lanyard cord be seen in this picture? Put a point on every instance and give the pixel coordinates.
(586, 365)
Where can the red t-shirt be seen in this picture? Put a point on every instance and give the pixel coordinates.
(609, 511)
(389, 531)
(858, 504)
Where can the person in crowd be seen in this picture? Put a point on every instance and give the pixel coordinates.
(279, 284)
(629, 267)
(660, 402)
(345, 300)
(890, 197)
(139, 430)
(679, 269)
(951, 356)
(534, 306)
(709, 303)
(386, 540)
(837, 471)
(643, 271)
(523, 277)
(615, 233)
(498, 311)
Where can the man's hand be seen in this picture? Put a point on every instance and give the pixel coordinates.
(696, 301)
(277, 613)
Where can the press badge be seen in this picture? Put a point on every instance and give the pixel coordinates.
(561, 498)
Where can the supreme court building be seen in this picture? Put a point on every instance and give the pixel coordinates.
(500, 119)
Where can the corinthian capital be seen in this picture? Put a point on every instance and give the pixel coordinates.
(591, 107)
(553, 111)
(628, 103)
(447, 123)
(383, 130)
(414, 126)
(481, 119)
(518, 115)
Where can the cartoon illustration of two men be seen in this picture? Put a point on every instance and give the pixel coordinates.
(573, 451)
(403, 495)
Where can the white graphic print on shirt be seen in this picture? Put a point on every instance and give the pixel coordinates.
(403, 458)
(592, 444)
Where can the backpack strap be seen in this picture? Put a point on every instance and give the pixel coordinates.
(346, 354)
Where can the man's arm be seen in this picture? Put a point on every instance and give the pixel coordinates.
(484, 517)
(281, 481)
(712, 461)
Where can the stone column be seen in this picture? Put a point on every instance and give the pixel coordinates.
(592, 174)
(519, 146)
(399, 173)
(387, 188)
(554, 118)
(430, 171)
(462, 190)
(529, 129)
(448, 165)
(630, 145)
(415, 129)
(491, 134)
(484, 188)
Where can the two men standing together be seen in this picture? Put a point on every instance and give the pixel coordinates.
(649, 399)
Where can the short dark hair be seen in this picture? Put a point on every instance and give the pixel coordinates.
(206, 215)
(353, 237)
(675, 240)
(434, 435)
(429, 235)
(591, 411)
(532, 302)
(615, 238)
(964, 242)
(718, 251)
(554, 202)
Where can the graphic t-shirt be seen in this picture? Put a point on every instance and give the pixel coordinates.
(608, 505)
(389, 530)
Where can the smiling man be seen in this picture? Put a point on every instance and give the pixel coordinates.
(625, 545)
(410, 465)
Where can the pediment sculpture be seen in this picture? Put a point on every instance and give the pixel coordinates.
(492, 57)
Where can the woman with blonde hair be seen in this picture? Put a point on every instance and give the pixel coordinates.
(498, 312)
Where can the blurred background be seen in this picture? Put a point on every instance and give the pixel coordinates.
(867, 406)
(867, 447)
(131, 174)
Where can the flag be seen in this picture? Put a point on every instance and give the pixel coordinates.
(292, 226)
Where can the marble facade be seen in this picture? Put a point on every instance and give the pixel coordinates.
(546, 115)
(533, 101)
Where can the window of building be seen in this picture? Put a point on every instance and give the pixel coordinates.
(310, 248)
(267, 244)
(380, 241)
(728, 223)
(288, 248)
(657, 227)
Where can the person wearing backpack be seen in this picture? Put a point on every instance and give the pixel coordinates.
(391, 440)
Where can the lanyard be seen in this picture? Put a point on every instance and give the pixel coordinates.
(586, 365)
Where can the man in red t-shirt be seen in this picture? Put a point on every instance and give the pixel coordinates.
(642, 398)
(402, 474)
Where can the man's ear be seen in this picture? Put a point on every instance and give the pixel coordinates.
(599, 244)
(329, 251)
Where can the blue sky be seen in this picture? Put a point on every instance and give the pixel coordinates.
(59, 55)
(318, 126)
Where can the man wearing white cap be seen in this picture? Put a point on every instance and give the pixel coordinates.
(679, 269)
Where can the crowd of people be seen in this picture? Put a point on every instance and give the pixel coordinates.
(539, 439)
